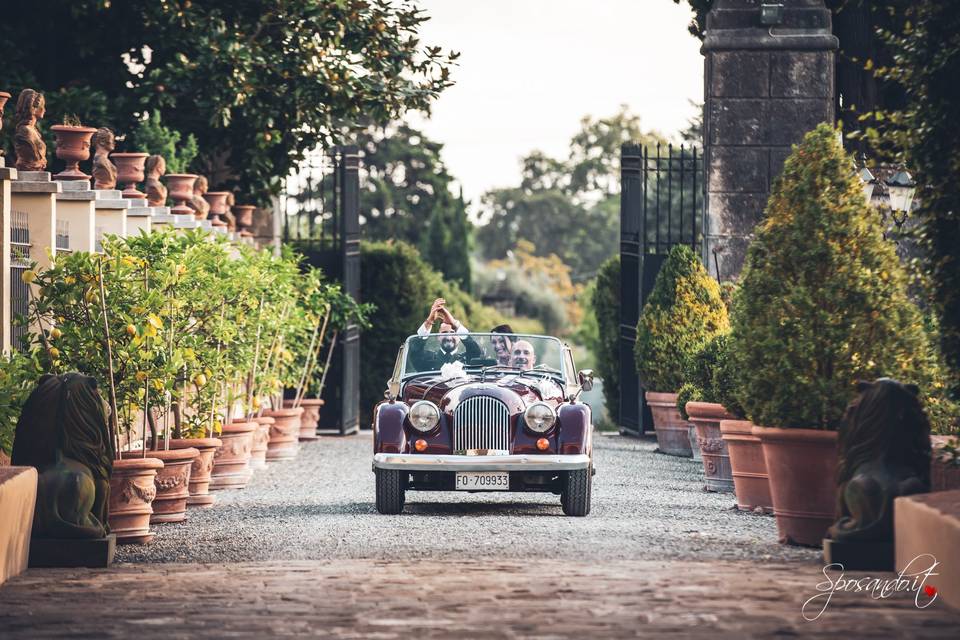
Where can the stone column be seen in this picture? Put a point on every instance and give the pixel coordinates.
(139, 217)
(768, 79)
(33, 202)
(111, 210)
(76, 215)
(6, 176)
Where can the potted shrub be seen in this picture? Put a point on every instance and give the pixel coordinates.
(683, 313)
(698, 403)
(822, 303)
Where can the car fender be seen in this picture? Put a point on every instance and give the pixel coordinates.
(389, 436)
(576, 429)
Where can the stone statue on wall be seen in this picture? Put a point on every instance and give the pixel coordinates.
(198, 203)
(104, 171)
(63, 432)
(27, 142)
(884, 453)
(154, 168)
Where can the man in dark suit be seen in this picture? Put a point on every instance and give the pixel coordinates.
(451, 331)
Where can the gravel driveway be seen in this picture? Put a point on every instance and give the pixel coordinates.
(320, 506)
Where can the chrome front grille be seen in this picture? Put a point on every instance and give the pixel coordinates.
(481, 424)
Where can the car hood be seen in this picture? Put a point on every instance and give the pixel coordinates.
(515, 390)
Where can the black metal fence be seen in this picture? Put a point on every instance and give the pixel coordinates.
(19, 290)
(320, 216)
(661, 206)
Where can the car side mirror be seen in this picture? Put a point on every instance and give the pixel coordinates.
(586, 379)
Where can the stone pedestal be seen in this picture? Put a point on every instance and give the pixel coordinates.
(92, 553)
(927, 529)
(766, 85)
(18, 499)
(162, 218)
(76, 216)
(139, 217)
(33, 210)
(111, 209)
(7, 175)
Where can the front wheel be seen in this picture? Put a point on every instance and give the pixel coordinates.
(575, 496)
(390, 492)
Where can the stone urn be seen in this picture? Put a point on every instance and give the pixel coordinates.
(284, 433)
(181, 190)
(218, 206)
(310, 419)
(244, 215)
(173, 484)
(673, 435)
(73, 147)
(261, 438)
(132, 491)
(802, 466)
(747, 466)
(231, 462)
(200, 468)
(706, 417)
(130, 173)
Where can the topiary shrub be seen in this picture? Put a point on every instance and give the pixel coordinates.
(823, 298)
(702, 376)
(683, 313)
(688, 393)
(605, 304)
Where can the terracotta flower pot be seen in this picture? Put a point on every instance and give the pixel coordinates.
(200, 468)
(73, 147)
(231, 462)
(173, 484)
(180, 186)
(218, 206)
(132, 491)
(802, 466)
(284, 433)
(673, 435)
(244, 215)
(706, 417)
(261, 437)
(944, 476)
(694, 445)
(310, 418)
(747, 465)
(130, 172)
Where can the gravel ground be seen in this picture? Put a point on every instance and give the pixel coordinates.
(320, 506)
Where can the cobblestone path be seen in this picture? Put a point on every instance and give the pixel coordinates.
(301, 552)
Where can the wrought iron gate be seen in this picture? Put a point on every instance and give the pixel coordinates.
(321, 218)
(661, 206)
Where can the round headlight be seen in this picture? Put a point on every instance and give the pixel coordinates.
(539, 417)
(424, 415)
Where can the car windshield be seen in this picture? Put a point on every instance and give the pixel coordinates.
(475, 351)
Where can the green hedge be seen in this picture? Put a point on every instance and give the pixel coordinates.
(605, 305)
(684, 311)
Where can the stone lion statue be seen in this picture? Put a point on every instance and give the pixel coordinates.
(63, 432)
(884, 453)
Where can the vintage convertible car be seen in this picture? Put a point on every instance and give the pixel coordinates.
(484, 412)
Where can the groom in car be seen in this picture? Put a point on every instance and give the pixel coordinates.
(451, 331)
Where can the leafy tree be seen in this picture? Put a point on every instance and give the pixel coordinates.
(605, 305)
(823, 299)
(683, 313)
(259, 83)
(152, 137)
(407, 196)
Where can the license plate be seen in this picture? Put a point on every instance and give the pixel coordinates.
(483, 481)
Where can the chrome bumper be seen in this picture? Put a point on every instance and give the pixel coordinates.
(430, 462)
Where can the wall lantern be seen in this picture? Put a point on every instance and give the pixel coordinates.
(901, 188)
(869, 183)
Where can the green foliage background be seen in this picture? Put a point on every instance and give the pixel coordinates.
(605, 306)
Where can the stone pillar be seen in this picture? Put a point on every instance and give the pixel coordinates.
(6, 176)
(161, 218)
(33, 202)
(111, 210)
(76, 215)
(139, 217)
(768, 79)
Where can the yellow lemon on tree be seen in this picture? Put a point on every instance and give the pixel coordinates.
(131, 330)
(28, 276)
(141, 376)
(200, 379)
(55, 333)
(54, 353)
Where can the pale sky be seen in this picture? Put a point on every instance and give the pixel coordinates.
(530, 69)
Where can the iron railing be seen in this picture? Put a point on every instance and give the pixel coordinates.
(19, 290)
